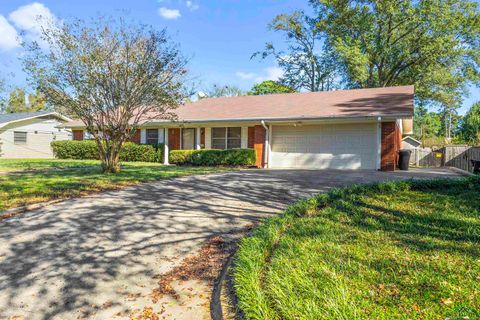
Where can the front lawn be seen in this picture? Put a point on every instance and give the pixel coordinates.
(404, 250)
(44, 180)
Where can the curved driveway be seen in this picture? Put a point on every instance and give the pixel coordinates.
(86, 257)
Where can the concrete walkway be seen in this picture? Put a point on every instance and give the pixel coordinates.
(95, 257)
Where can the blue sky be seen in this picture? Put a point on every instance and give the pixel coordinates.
(218, 36)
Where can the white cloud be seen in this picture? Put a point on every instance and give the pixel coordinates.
(272, 73)
(9, 38)
(245, 75)
(191, 5)
(169, 14)
(32, 18)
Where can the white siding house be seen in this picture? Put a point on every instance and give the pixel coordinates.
(29, 134)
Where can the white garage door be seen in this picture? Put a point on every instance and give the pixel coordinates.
(332, 146)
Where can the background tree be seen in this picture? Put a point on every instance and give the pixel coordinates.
(431, 44)
(217, 91)
(308, 63)
(109, 74)
(470, 125)
(18, 102)
(269, 87)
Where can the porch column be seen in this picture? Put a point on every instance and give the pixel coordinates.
(165, 148)
(198, 144)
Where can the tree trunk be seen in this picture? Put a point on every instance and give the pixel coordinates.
(111, 159)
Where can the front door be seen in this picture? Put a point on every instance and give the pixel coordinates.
(188, 139)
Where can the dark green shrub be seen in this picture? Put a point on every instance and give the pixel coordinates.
(132, 152)
(82, 150)
(211, 157)
(180, 157)
(88, 149)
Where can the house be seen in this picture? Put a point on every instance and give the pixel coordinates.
(344, 129)
(410, 143)
(29, 134)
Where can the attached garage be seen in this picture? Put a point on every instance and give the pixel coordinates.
(326, 146)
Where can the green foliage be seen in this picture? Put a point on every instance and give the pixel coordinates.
(17, 102)
(470, 127)
(308, 62)
(431, 44)
(210, 157)
(269, 87)
(88, 149)
(81, 150)
(217, 91)
(396, 243)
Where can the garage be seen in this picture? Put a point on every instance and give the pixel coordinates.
(327, 146)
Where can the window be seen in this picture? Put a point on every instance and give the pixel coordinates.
(226, 138)
(188, 139)
(152, 136)
(19, 137)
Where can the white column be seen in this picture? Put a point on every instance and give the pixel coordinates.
(197, 139)
(165, 149)
(143, 136)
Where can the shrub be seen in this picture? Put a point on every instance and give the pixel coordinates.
(211, 157)
(82, 150)
(87, 149)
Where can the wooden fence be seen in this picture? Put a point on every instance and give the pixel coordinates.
(461, 156)
(426, 158)
(458, 156)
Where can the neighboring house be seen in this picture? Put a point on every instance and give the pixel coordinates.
(410, 143)
(344, 129)
(29, 134)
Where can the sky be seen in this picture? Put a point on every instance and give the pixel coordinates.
(218, 36)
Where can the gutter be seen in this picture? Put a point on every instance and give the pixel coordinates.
(267, 144)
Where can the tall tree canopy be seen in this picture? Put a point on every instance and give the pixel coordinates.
(308, 63)
(18, 101)
(111, 75)
(432, 44)
(269, 87)
(470, 127)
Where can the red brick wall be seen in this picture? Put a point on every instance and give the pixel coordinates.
(136, 137)
(391, 141)
(174, 138)
(77, 135)
(251, 134)
(259, 144)
(202, 137)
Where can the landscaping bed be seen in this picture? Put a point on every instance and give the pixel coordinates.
(398, 250)
(25, 181)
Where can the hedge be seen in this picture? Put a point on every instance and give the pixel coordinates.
(208, 157)
(88, 149)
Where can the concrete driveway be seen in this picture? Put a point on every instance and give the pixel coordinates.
(87, 257)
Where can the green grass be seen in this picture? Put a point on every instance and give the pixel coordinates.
(405, 250)
(44, 180)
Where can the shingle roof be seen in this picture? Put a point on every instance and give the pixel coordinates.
(377, 102)
(392, 101)
(9, 117)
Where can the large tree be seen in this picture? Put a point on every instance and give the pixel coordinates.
(470, 127)
(269, 87)
(18, 101)
(307, 62)
(432, 44)
(111, 75)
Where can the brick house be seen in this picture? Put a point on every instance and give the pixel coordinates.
(344, 129)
